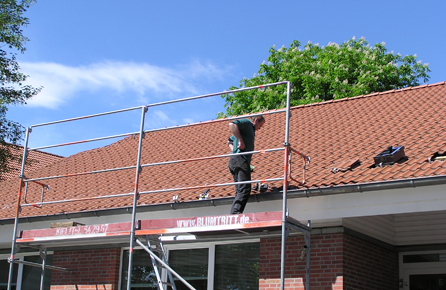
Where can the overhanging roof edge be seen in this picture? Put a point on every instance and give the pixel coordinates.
(292, 193)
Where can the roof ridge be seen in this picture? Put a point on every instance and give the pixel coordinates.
(368, 95)
(40, 151)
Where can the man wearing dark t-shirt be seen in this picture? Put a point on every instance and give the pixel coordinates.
(242, 140)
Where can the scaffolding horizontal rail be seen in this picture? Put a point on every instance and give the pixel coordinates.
(83, 141)
(155, 164)
(214, 121)
(40, 265)
(153, 105)
(217, 94)
(87, 116)
(211, 185)
(151, 191)
(151, 130)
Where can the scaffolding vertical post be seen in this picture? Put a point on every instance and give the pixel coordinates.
(135, 199)
(307, 238)
(16, 220)
(285, 186)
(42, 274)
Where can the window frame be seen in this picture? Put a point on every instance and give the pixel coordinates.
(190, 246)
(21, 257)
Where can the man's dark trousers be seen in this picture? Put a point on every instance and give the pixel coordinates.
(241, 171)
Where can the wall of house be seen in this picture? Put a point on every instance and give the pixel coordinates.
(91, 269)
(326, 263)
(368, 266)
(338, 262)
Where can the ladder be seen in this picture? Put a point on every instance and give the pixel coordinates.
(154, 245)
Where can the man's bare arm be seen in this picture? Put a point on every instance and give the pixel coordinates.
(236, 132)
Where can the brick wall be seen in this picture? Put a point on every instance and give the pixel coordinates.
(326, 263)
(338, 262)
(368, 267)
(91, 269)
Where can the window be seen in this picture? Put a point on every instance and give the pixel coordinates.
(192, 265)
(232, 266)
(4, 275)
(237, 266)
(29, 277)
(143, 275)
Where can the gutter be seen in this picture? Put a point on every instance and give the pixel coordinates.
(292, 193)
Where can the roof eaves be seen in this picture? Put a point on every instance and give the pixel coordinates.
(292, 193)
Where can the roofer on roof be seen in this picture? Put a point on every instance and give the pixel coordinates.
(242, 140)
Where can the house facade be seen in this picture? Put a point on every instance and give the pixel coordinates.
(375, 223)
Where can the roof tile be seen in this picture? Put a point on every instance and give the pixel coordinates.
(329, 132)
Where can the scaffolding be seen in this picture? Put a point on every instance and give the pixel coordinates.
(285, 222)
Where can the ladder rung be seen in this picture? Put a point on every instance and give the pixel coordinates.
(159, 265)
(157, 250)
(168, 283)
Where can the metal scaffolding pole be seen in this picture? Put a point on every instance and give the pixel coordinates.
(16, 220)
(213, 121)
(135, 199)
(217, 94)
(285, 187)
(86, 117)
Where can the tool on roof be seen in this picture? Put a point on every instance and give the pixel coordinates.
(389, 156)
(260, 187)
(205, 194)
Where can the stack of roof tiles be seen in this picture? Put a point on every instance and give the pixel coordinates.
(341, 137)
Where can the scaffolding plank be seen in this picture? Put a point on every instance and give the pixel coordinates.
(76, 232)
(207, 225)
(199, 226)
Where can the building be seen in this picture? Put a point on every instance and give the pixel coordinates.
(377, 222)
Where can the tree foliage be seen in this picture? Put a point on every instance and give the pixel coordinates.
(12, 89)
(324, 73)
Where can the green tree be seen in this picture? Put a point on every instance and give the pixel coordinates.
(12, 90)
(324, 73)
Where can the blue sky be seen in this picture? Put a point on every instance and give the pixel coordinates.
(98, 56)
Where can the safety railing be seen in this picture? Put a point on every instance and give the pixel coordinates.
(136, 193)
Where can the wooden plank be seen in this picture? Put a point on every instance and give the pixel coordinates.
(159, 226)
(211, 221)
(103, 229)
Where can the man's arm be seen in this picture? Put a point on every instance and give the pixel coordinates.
(236, 132)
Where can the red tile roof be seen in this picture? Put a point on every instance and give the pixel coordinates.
(35, 160)
(333, 133)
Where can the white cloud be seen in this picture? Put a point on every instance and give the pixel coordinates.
(62, 82)
(188, 120)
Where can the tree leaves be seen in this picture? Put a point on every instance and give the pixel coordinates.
(324, 73)
(12, 90)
